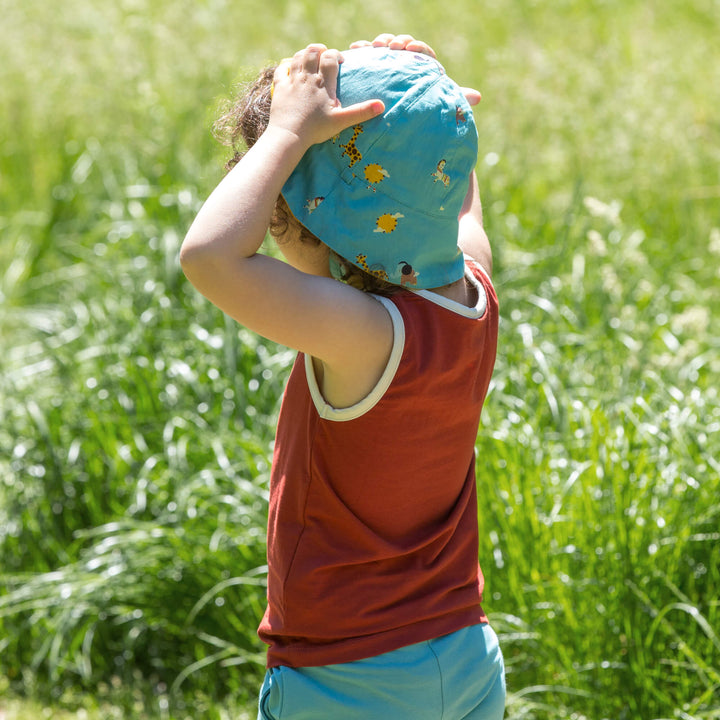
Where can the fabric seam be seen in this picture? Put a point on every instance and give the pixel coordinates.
(310, 475)
(440, 675)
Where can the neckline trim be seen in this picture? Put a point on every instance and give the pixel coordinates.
(473, 313)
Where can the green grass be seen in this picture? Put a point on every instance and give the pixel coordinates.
(136, 422)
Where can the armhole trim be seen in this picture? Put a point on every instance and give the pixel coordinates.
(327, 411)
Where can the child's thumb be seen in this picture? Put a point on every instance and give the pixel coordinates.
(360, 112)
(471, 95)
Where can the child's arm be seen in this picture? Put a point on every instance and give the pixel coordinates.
(472, 238)
(341, 326)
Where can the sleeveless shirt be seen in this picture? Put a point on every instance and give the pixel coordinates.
(373, 522)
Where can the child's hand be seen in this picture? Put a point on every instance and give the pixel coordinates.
(304, 100)
(408, 42)
(397, 42)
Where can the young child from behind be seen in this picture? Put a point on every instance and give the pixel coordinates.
(361, 164)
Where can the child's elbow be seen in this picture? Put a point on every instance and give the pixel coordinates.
(188, 254)
(196, 260)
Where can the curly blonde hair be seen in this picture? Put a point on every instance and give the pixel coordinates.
(243, 122)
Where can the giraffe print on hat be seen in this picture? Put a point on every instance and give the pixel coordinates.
(350, 149)
(379, 273)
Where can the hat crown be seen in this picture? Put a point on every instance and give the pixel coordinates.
(386, 194)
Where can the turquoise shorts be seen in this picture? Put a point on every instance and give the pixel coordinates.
(455, 677)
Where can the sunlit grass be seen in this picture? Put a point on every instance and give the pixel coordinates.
(136, 422)
(608, 472)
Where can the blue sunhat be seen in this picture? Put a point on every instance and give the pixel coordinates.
(386, 194)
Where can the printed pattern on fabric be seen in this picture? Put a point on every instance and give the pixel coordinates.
(378, 200)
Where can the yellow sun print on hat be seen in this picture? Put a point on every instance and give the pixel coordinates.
(375, 173)
(387, 223)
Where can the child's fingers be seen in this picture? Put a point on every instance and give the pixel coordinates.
(420, 47)
(360, 43)
(400, 42)
(329, 68)
(309, 58)
(383, 40)
(471, 95)
(283, 68)
(282, 71)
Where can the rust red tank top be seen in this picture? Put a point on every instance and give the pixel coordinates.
(373, 526)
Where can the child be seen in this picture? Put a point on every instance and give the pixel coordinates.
(362, 166)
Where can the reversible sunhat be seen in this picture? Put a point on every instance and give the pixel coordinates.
(386, 194)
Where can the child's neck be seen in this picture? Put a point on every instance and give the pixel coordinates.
(460, 291)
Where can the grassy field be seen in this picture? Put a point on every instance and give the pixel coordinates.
(136, 421)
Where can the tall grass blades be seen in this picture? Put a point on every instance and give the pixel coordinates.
(136, 444)
(598, 485)
(136, 422)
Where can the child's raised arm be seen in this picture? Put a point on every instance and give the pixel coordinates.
(472, 239)
(304, 111)
(219, 255)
